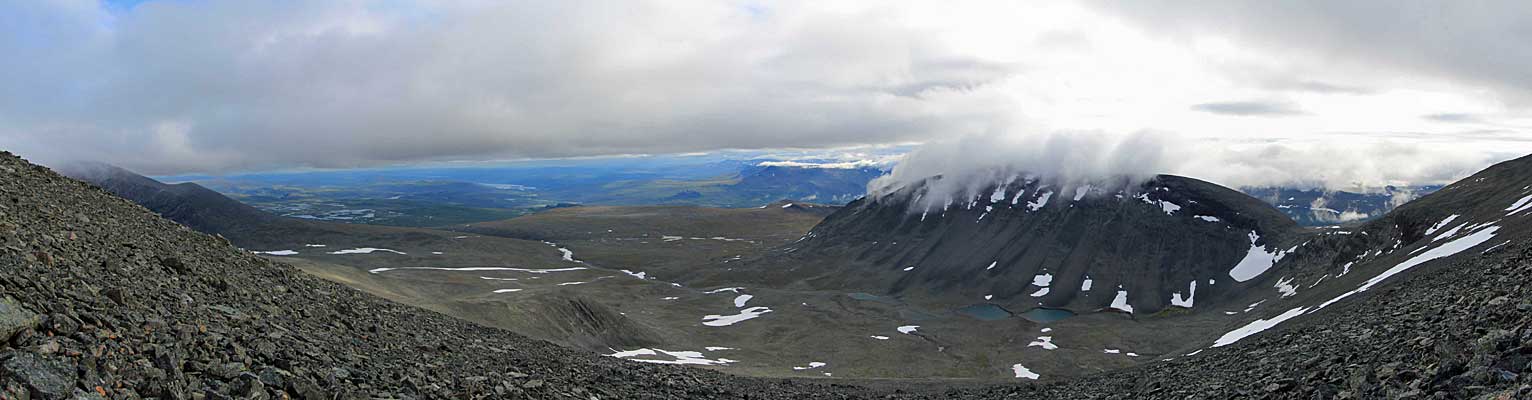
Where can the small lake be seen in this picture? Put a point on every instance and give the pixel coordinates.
(1046, 315)
(984, 312)
(871, 297)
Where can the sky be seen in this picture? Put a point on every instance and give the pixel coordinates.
(1352, 94)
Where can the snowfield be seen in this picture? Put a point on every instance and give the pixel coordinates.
(365, 250)
(669, 357)
(726, 320)
(1256, 262)
(1444, 250)
(1024, 373)
(471, 269)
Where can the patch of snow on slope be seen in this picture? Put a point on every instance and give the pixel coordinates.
(879, 337)
(1041, 201)
(739, 302)
(314, 245)
(1449, 233)
(1520, 205)
(991, 265)
(721, 290)
(639, 275)
(278, 252)
(812, 365)
(1042, 280)
(1023, 372)
(470, 269)
(507, 290)
(1257, 326)
(1207, 218)
(1256, 261)
(726, 320)
(1176, 300)
(1085, 286)
(1041, 292)
(1080, 192)
(1285, 286)
(365, 250)
(677, 357)
(1045, 342)
(1445, 250)
(908, 329)
(1121, 301)
(1440, 225)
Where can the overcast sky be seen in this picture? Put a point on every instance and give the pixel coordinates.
(1239, 92)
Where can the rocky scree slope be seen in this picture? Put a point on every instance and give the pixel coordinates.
(101, 298)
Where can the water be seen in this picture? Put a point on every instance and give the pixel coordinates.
(985, 312)
(872, 297)
(1046, 315)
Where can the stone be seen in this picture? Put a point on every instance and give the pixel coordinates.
(46, 377)
(14, 318)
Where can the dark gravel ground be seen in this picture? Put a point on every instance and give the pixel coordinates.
(101, 299)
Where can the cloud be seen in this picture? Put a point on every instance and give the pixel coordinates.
(172, 86)
(1255, 108)
(1482, 43)
(969, 164)
(1452, 117)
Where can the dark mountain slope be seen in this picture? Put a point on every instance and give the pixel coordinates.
(188, 203)
(1153, 241)
(1433, 300)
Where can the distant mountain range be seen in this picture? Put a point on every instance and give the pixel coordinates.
(1318, 207)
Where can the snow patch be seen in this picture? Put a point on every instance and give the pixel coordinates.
(726, 320)
(1176, 300)
(1045, 342)
(365, 250)
(739, 302)
(1520, 205)
(1041, 201)
(675, 357)
(1285, 286)
(908, 329)
(527, 270)
(1440, 225)
(1023, 372)
(1256, 261)
(812, 365)
(1121, 302)
(278, 252)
